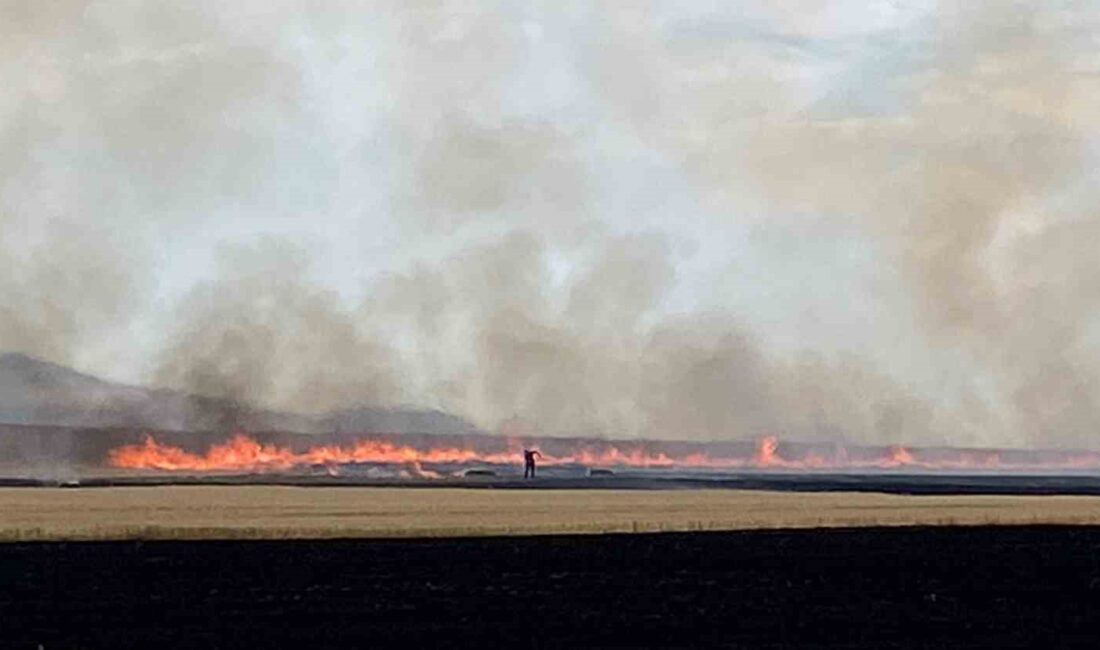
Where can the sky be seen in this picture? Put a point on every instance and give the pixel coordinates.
(867, 221)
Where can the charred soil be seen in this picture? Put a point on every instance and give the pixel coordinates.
(843, 588)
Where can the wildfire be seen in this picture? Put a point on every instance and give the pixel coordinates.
(900, 456)
(766, 452)
(243, 453)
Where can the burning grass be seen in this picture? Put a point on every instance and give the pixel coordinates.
(243, 453)
(266, 512)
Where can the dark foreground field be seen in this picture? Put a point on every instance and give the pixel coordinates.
(848, 588)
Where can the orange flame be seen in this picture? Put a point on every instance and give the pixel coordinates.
(242, 453)
(900, 456)
(767, 452)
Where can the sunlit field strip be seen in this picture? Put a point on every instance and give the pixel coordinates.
(266, 512)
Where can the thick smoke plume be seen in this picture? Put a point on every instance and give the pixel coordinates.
(489, 334)
(417, 203)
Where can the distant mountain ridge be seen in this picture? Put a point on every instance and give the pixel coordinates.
(37, 392)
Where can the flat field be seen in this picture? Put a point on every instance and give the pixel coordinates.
(281, 512)
(874, 588)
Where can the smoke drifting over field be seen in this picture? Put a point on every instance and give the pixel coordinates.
(567, 220)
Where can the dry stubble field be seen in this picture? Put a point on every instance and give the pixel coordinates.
(266, 512)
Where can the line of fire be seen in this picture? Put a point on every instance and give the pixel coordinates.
(424, 457)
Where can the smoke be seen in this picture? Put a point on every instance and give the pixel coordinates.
(970, 177)
(503, 213)
(468, 170)
(116, 128)
(260, 333)
(492, 334)
(60, 289)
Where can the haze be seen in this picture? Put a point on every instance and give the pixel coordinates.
(867, 222)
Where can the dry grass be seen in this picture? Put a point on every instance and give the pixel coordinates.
(264, 512)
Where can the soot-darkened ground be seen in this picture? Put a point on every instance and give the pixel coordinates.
(859, 588)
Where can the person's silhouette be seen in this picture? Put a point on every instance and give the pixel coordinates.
(529, 462)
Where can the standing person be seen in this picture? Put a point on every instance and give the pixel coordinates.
(529, 462)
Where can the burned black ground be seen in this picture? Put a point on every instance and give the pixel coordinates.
(573, 478)
(849, 588)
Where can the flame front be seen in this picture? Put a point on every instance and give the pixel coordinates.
(243, 453)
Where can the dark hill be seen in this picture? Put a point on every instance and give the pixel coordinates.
(37, 392)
